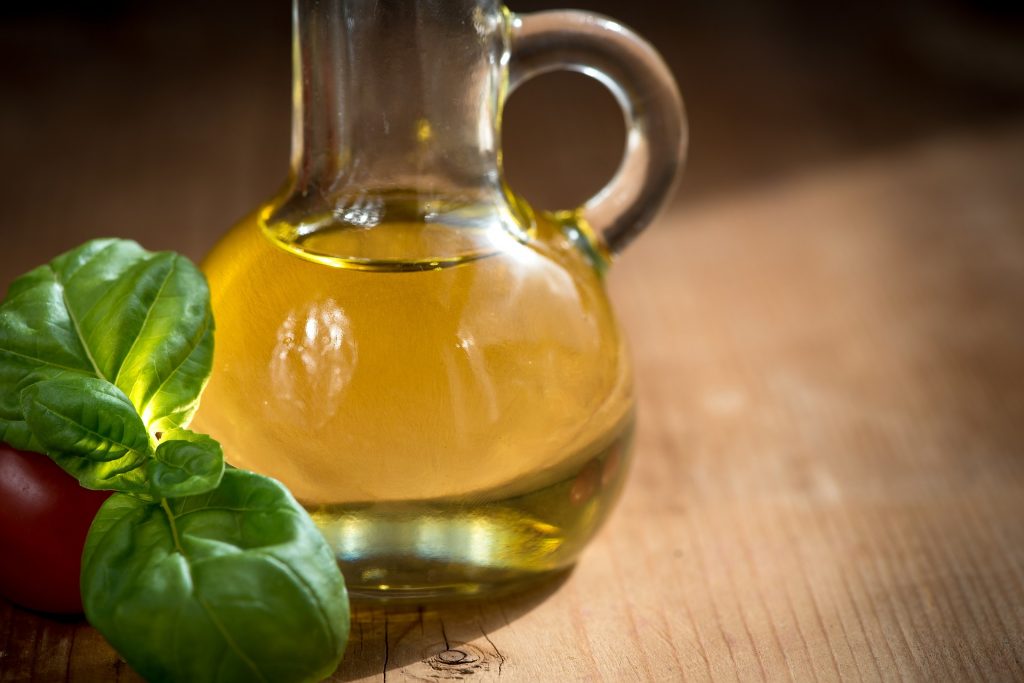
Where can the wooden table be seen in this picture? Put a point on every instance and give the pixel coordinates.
(829, 481)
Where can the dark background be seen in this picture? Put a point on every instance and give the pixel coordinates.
(168, 121)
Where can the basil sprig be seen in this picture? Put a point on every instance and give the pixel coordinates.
(193, 573)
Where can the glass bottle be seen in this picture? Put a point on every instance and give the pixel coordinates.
(431, 366)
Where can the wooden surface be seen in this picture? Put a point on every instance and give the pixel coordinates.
(829, 473)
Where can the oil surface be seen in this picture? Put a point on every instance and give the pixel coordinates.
(452, 423)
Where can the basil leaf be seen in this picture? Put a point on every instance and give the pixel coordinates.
(86, 417)
(89, 428)
(232, 585)
(110, 310)
(185, 464)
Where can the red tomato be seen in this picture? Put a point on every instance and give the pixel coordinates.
(44, 517)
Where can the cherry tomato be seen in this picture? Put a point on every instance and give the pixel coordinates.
(44, 517)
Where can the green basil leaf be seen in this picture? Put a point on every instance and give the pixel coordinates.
(232, 585)
(90, 428)
(110, 310)
(185, 464)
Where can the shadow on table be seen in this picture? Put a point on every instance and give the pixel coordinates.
(436, 641)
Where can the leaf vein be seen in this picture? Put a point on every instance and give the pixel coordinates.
(102, 437)
(325, 621)
(229, 640)
(199, 341)
(43, 362)
(232, 645)
(145, 320)
(74, 323)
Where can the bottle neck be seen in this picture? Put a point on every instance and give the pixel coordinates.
(399, 97)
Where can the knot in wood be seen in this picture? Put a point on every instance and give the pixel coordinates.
(454, 657)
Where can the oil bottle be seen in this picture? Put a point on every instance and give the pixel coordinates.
(432, 367)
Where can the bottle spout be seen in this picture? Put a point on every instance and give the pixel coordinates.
(401, 95)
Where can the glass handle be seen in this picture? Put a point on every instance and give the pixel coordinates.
(643, 85)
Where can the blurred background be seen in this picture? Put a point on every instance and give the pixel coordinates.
(169, 121)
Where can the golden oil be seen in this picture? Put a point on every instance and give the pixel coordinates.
(452, 403)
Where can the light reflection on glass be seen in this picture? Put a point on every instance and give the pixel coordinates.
(314, 355)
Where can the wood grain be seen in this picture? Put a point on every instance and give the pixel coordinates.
(829, 481)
